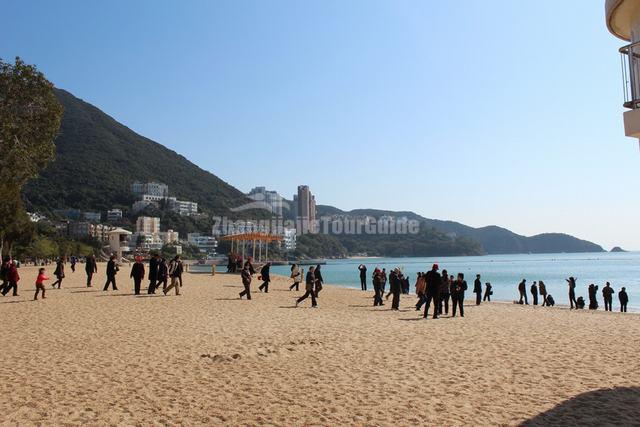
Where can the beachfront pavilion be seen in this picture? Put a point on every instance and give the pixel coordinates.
(256, 239)
(623, 21)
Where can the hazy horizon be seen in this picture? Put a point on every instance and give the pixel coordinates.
(491, 113)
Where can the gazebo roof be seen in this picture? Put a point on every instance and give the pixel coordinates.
(265, 237)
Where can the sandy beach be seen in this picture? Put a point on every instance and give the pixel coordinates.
(84, 356)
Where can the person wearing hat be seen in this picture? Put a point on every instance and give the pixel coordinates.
(137, 274)
(477, 289)
(433, 280)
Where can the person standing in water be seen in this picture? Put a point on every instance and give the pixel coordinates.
(112, 270)
(91, 268)
(487, 291)
(363, 276)
(534, 292)
(264, 273)
(624, 299)
(59, 273)
(543, 292)
(477, 289)
(522, 289)
(137, 274)
(607, 294)
(310, 290)
(571, 281)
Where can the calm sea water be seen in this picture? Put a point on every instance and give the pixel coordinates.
(504, 272)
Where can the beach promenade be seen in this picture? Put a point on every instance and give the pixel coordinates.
(84, 356)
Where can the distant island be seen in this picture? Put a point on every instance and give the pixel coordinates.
(618, 249)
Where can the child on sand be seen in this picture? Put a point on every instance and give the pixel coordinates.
(40, 284)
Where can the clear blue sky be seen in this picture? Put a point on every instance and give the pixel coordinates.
(485, 112)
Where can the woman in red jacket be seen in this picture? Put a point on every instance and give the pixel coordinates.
(13, 278)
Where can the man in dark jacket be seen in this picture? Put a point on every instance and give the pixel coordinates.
(112, 270)
(90, 267)
(522, 288)
(363, 276)
(534, 292)
(607, 293)
(433, 280)
(459, 287)
(377, 288)
(154, 264)
(624, 299)
(310, 282)
(395, 288)
(137, 273)
(245, 274)
(477, 289)
(264, 273)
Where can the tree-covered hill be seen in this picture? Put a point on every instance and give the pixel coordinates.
(98, 158)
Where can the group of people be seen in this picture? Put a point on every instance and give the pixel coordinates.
(313, 281)
(539, 288)
(159, 274)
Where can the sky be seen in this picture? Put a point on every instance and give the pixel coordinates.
(494, 112)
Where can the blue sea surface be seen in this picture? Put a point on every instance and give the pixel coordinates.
(504, 272)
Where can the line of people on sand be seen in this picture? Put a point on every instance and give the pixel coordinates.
(313, 281)
(575, 303)
(159, 274)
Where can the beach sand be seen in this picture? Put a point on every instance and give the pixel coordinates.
(84, 356)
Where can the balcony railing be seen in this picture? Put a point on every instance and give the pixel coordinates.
(630, 62)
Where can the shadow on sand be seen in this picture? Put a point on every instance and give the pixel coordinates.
(615, 406)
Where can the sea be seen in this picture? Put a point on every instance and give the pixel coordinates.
(504, 272)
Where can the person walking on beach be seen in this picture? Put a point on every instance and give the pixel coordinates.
(607, 294)
(572, 292)
(457, 295)
(363, 276)
(91, 268)
(421, 291)
(534, 292)
(433, 280)
(487, 292)
(522, 288)
(40, 284)
(74, 260)
(154, 266)
(395, 288)
(377, 287)
(593, 297)
(445, 293)
(296, 275)
(264, 274)
(137, 273)
(477, 289)
(624, 299)
(319, 280)
(163, 274)
(112, 270)
(543, 292)
(175, 273)
(59, 273)
(310, 291)
(13, 277)
(245, 274)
